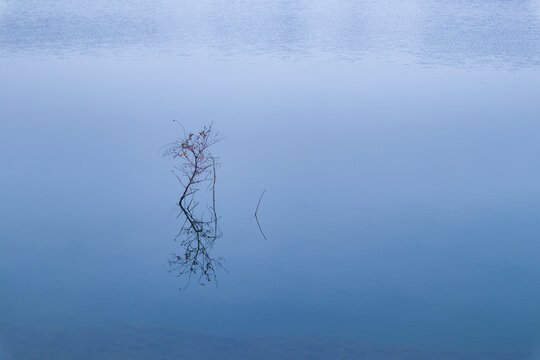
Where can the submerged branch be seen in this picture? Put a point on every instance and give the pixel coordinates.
(200, 228)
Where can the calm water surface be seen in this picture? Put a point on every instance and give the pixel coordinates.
(397, 142)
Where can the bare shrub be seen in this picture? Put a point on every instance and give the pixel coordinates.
(197, 174)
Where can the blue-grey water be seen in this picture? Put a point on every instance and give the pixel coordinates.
(398, 143)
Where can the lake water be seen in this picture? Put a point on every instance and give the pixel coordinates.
(397, 141)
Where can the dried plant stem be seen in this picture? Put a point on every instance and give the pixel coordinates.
(257, 218)
(200, 229)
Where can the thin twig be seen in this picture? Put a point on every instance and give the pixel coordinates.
(257, 218)
(214, 195)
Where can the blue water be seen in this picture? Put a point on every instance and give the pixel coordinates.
(397, 142)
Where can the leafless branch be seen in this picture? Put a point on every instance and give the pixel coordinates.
(200, 228)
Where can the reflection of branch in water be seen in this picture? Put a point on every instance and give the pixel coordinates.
(200, 229)
(257, 218)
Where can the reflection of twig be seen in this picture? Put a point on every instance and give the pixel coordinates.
(256, 218)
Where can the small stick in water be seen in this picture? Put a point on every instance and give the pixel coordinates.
(256, 218)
